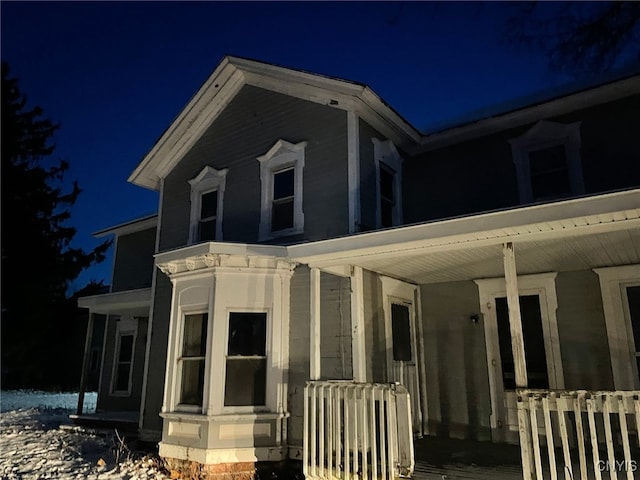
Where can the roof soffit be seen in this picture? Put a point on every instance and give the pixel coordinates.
(227, 80)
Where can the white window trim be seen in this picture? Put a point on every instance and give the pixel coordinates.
(543, 285)
(177, 382)
(547, 134)
(267, 350)
(208, 180)
(613, 284)
(124, 326)
(281, 156)
(386, 152)
(394, 290)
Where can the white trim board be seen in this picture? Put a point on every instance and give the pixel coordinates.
(544, 286)
(613, 283)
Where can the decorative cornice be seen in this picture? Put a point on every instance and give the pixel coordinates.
(227, 263)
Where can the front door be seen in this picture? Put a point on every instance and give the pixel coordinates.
(403, 354)
(542, 353)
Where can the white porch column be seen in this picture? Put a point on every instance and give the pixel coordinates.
(357, 326)
(314, 340)
(515, 321)
(85, 363)
(517, 345)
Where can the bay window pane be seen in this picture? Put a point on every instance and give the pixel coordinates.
(246, 382)
(195, 335)
(194, 347)
(192, 388)
(246, 363)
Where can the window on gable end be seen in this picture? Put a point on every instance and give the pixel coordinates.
(208, 216)
(388, 184)
(207, 195)
(548, 164)
(281, 174)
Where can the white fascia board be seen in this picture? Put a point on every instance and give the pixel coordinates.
(531, 114)
(137, 225)
(344, 96)
(601, 213)
(225, 75)
(113, 302)
(221, 248)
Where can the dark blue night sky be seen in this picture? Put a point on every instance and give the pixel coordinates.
(116, 74)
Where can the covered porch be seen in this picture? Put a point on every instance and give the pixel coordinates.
(547, 292)
(119, 359)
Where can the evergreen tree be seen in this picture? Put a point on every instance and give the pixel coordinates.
(38, 261)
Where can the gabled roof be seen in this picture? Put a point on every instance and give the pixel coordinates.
(131, 226)
(226, 81)
(540, 106)
(234, 72)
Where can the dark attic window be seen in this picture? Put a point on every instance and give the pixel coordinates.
(283, 195)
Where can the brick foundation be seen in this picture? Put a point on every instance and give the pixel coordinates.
(190, 470)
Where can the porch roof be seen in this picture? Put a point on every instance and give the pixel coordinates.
(574, 234)
(117, 302)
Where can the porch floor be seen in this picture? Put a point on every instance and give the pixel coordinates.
(440, 458)
(126, 421)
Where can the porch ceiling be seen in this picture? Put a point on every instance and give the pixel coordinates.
(564, 254)
(576, 234)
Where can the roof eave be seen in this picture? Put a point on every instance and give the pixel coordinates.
(530, 114)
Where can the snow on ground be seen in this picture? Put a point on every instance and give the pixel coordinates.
(40, 443)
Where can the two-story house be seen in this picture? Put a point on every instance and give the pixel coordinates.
(306, 232)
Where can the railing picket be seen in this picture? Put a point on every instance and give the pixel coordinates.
(580, 433)
(374, 449)
(636, 407)
(305, 432)
(383, 434)
(606, 418)
(564, 436)
(549, 434)
(330, 422)
(591, 407)
(321, 438)
(535, 436)
(364, 429)
(314, 433)
(347, 434)
(352, 431)
(339, 439)
(624, 431)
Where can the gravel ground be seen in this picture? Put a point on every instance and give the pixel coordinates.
(38, 443)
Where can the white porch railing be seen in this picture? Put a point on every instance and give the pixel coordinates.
(357, 430)
(579, 434)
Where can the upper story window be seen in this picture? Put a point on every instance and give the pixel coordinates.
(388, 184)
(207, 195)
(548, 164)
(281, 200)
